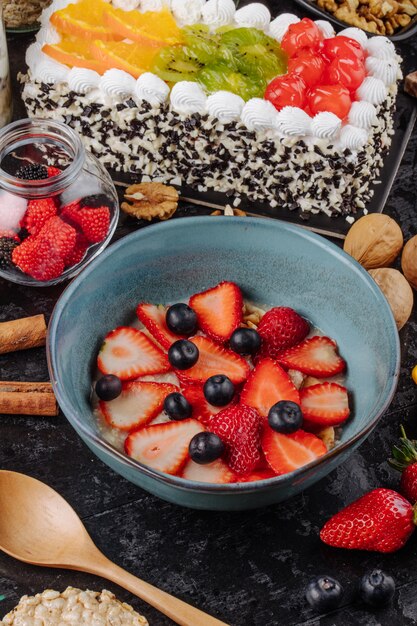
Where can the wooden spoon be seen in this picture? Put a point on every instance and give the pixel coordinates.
(38, 526)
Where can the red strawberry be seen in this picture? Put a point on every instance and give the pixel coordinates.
(215, 359)
(260, 474)
(163, 447)
(77, 254)
(219, 310)
(286, 453)
(39, 261)
(281, 328)
(94, 222)
(57, 237)
(38, 212)
(404, 459)
(70, 212)
(137, 405)
(202, 410)
(128, 353)
(216, 472)
(380, 521)
(53, 171)
(23, 255)
(267, 384)
(153, 318)
(239, 427)
(325, 404)
(316, 357)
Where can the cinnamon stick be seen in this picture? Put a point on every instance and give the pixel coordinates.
(21, 334)
(18, 398)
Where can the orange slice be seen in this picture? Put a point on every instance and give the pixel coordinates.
(85, 19)
(130, 57)
(75, 53)
(152, 28)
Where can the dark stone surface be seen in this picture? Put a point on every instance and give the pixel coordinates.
(249, 569)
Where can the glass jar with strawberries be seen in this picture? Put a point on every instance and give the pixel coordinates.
(58, 205)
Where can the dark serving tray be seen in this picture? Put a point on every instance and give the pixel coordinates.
(337, 227)
(400, 35)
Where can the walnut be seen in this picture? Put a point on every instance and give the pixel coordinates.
(147, 201)
(397, 291)
(228, 211)
(375, 240)
(409, 261)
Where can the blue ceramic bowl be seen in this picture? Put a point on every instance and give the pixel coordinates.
(275, 264)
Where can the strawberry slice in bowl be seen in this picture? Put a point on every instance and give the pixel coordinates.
(316, 356)
(214, 359)
(163, 447)
(139, 403)
(216, 472)
(268, 384)
(325, 404)
(128, 353)
(153, 318)
(219, 310)
(287, 453)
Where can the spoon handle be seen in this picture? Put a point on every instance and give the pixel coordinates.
(180, 612)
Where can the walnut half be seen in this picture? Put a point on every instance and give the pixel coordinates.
(147, 201)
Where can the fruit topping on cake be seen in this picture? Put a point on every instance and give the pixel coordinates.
(223, 409)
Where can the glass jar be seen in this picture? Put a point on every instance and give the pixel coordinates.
(22, 15)
(5, 89)
(58, 205)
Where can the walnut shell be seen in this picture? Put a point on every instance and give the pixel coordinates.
(375, 240)
(397, 291)
(409, 261)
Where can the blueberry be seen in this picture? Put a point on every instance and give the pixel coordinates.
(181, 319)
(285, 417)
(324, 593)
(245, 341)
(177, 406)
(219, 390)
(205, 448)
(183, 354)
(108, 387)
(377, 588)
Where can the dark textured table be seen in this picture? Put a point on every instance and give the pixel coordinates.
(250, 568)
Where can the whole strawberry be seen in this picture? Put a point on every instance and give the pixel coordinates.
(239, 427)
(381, 521)
(404, 459)
(281, 328)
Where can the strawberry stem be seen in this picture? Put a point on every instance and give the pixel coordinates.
(415, 514)
(404, 453)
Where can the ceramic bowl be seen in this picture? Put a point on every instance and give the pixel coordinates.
(275, 264)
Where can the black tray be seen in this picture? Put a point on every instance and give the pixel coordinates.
(400, 35)
(337, 227)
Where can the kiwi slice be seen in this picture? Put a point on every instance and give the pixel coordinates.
(220, 78)
(240, 37)
(173, 64)
(258, 61)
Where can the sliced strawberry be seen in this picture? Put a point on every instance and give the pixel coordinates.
(286, 453)
(280, 329)
(219, 310)
(153, 318)
(215, 359)
(202, 410)
(216, 472)
(267, 384)
(316, 356)
(163, 447)
(137, 405)
(128, 353)
(326, 404)
(261, 474)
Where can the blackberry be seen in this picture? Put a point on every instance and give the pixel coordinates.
(7, 245)
(95, 201)
(34, 171)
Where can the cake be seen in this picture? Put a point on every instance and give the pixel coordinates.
(200, 94)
